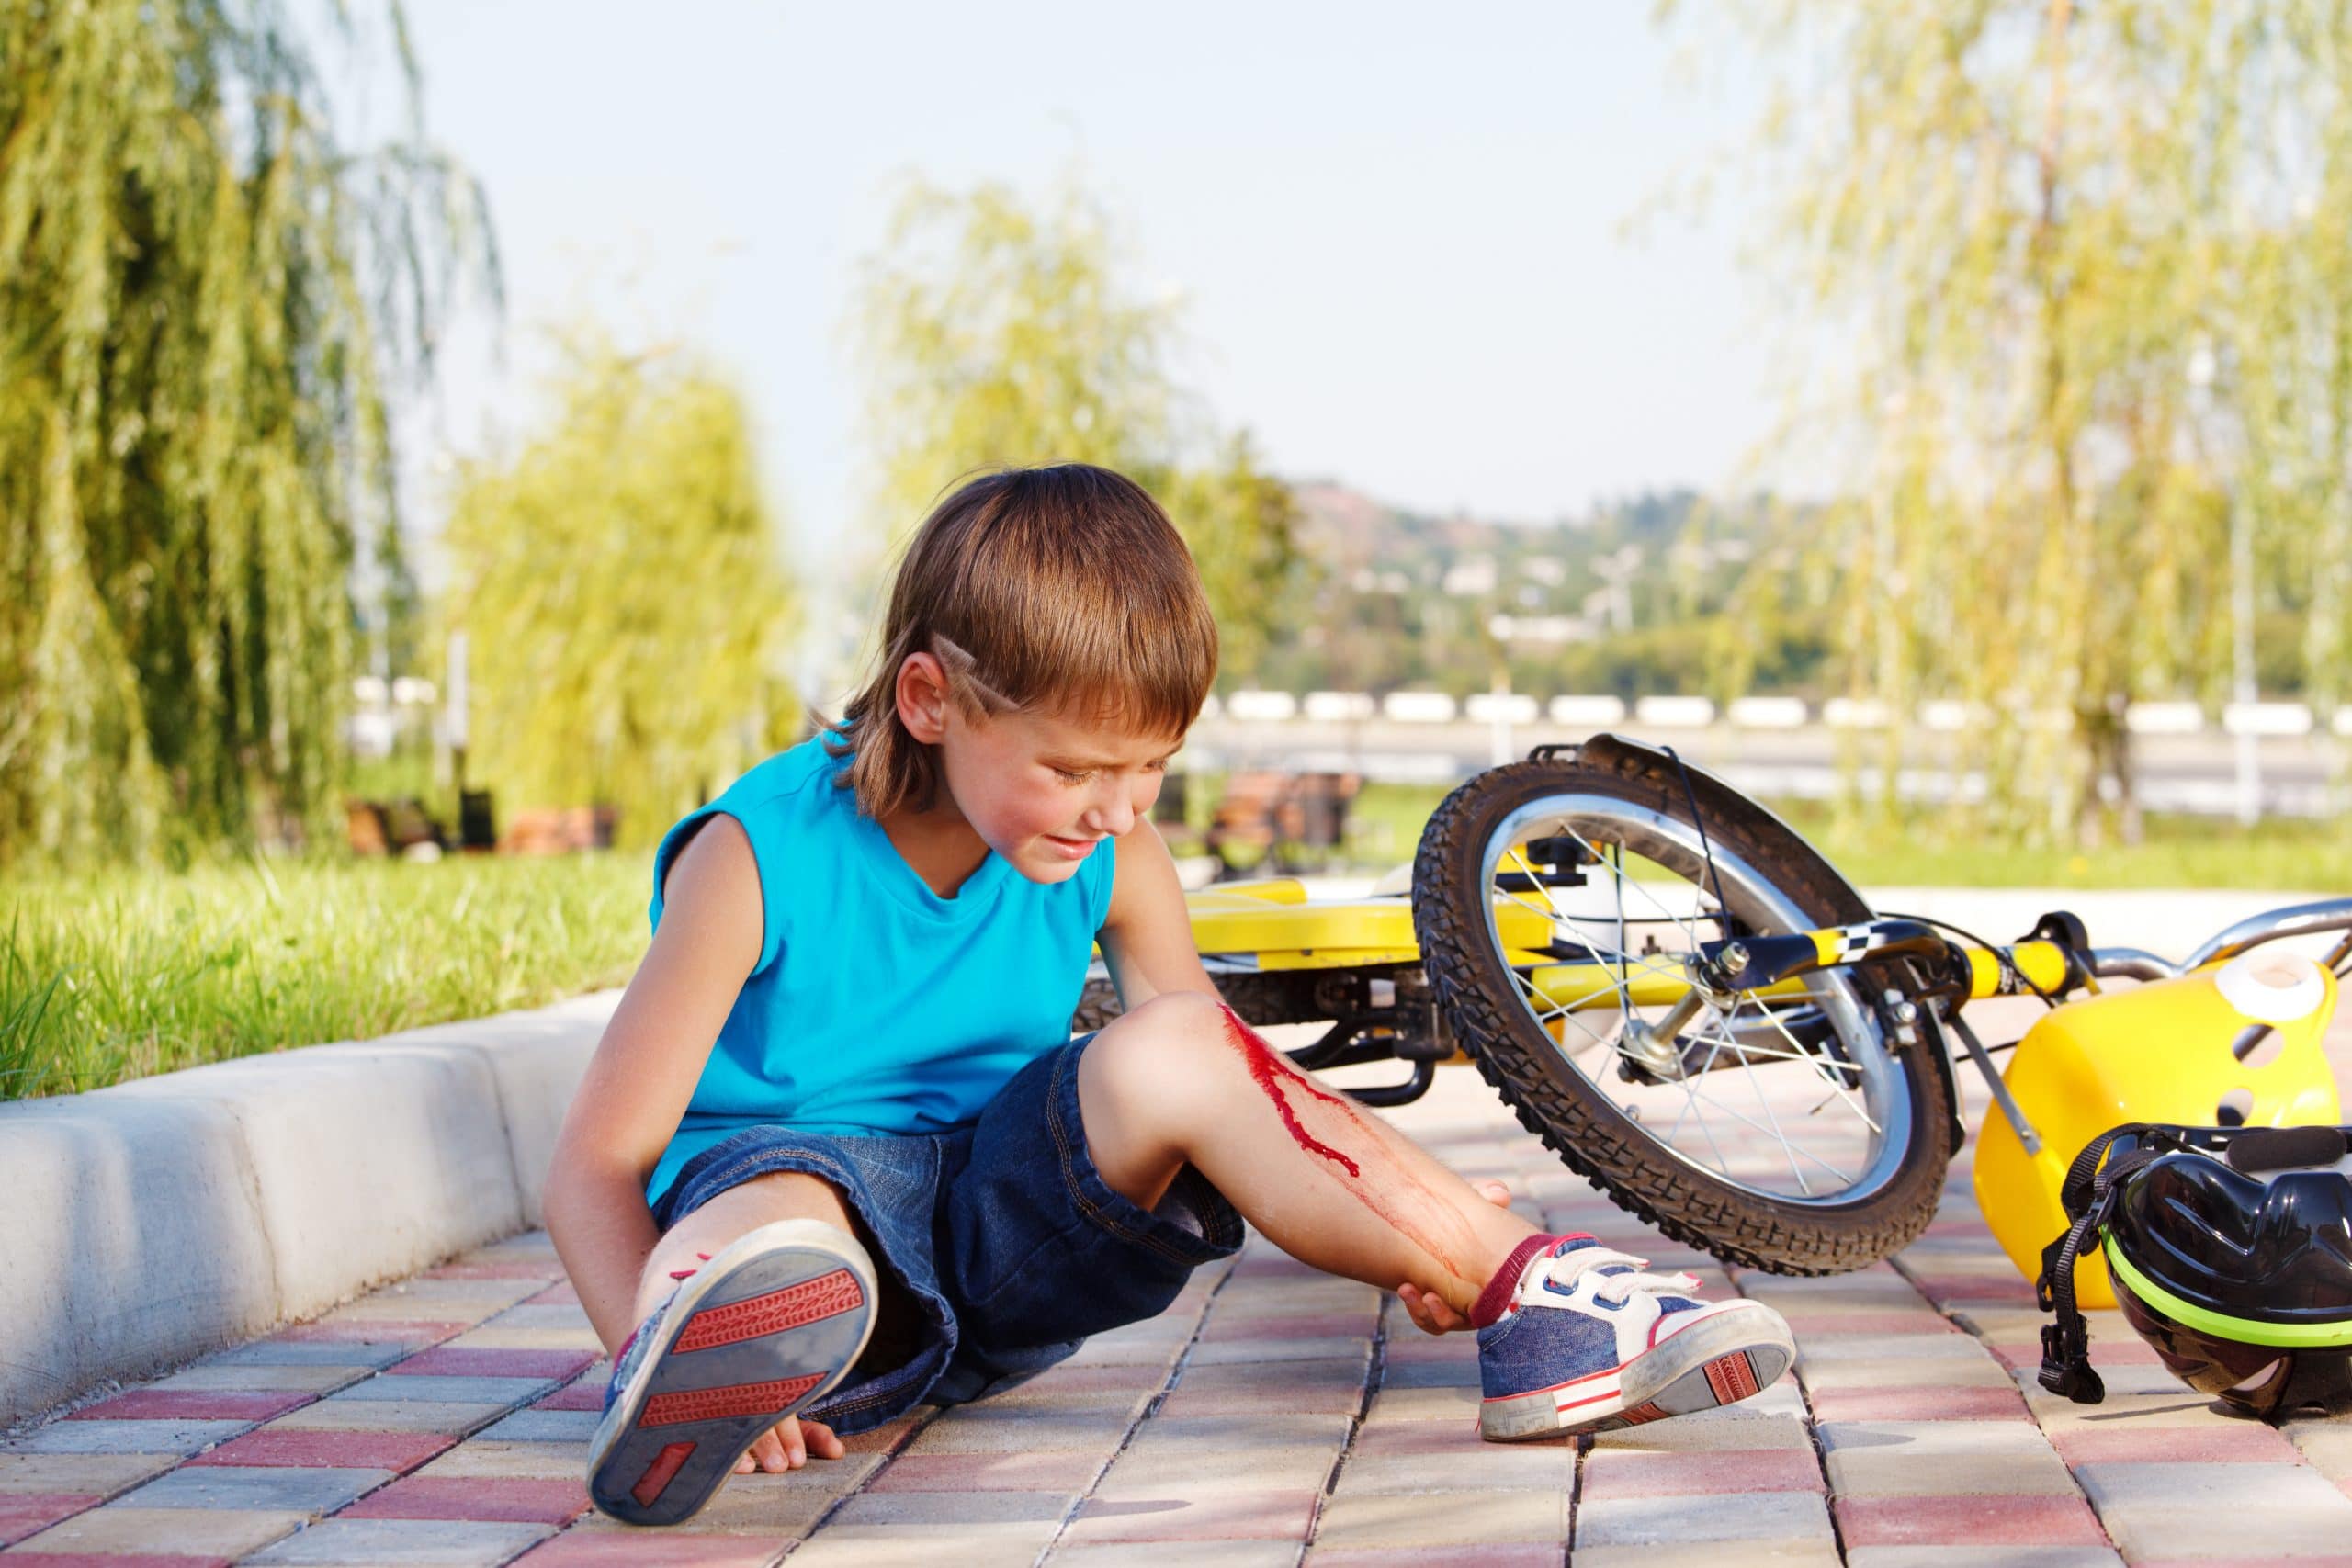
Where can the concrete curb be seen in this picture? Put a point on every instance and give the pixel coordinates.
(152, 1221)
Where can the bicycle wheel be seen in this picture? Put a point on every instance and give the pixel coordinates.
(1786, 1131)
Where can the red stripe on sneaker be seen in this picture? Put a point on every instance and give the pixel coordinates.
(1733, 1377)
(828, 1295)
(718, 1404)
(1568, 1405)
(657, 1474)
(1642, 1413)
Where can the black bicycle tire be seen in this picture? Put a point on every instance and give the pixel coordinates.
(1574, 1119)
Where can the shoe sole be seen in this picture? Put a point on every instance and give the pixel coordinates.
(762, 1330)
(1719, 1360)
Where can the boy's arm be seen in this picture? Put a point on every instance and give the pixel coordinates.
(1147, 936)
(644, 1071)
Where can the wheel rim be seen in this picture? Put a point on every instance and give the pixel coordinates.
(1797, 1102)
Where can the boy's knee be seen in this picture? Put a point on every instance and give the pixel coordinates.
(1161, 1053)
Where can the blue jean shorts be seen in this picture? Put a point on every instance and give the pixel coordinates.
(1006, 1246)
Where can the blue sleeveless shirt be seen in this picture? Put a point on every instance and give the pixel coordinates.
(877, 1006)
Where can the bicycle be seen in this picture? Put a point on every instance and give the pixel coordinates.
(1608, 934)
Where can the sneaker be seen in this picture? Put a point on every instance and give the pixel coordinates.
(1590, 1342)
(759, 1331)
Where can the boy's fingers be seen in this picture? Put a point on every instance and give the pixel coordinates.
(1429, 1313)
(822, 1442)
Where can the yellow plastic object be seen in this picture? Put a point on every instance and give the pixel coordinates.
(2157, 1052)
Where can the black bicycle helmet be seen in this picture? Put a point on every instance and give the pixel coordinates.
(2231, 1249)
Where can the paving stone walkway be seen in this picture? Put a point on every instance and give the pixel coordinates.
(1272, 1416)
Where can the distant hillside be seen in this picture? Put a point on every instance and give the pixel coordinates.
(1630, 598)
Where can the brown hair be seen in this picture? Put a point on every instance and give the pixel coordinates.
(1049, 589)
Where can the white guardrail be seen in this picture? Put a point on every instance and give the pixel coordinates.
(1573, 712)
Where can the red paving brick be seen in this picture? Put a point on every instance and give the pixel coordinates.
(1430, 1437)
(415, 1332)
(588, 1395)
(1967, 1521)
(1220, 1514)
(1291, 1326)
(29, 1513)
(2006, 1288)
(471, 1361)
(190, 1405)
(560, 1293)
(1301, 1400)
(1044, 1470)
(111, 1560)
(1421, 1349)
(648, 1549)
(1842, 1320)
(887, 1438)
(1669, 1475)
(1919, 1404)
(333, 1450)
(2248, 1444)
(1523, 1556)
(1105, 1381)
(504, 1268)
(2019, 1354)
(480, 1499)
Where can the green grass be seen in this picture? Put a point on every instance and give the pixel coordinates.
(117, 975)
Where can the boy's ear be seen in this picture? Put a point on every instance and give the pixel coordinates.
(922, 698)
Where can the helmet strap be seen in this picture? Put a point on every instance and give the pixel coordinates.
(2090, 1195)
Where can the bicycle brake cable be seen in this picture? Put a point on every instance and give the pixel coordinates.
(1699, 821)
(2000, 954)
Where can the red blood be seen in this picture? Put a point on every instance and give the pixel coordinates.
(1393, 1193)
(1271, 1076)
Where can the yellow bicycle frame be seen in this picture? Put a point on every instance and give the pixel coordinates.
(1271, 921)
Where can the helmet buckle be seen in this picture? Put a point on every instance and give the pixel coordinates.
(2066, 1362)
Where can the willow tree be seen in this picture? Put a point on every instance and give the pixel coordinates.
(2082, 270)
(995, 332)
(620, 583)
(204, 294)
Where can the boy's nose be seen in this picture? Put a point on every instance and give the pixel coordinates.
(1114, 816)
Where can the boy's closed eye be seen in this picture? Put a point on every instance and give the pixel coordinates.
(1077, 774)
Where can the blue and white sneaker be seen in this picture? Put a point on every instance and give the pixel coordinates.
(1590, 1342)
(760, 1332)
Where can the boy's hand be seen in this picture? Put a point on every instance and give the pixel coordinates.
(787, 1446)
(1428, 1309)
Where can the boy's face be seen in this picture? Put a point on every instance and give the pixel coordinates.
(1045, 791)
(1042, 790)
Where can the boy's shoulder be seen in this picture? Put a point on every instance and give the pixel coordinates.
(806, 772)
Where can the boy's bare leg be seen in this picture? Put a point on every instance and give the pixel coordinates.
(1181, 1080)
(738, 1211)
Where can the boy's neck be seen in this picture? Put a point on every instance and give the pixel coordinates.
(938, 846)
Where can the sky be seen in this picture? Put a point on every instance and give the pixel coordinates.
(1405, 236)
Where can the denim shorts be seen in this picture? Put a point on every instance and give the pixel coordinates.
(1006, 1244)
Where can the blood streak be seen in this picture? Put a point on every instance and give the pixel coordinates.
(1393, 1192)
(1271, 1076)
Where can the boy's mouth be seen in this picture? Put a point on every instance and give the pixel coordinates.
(1076, 849)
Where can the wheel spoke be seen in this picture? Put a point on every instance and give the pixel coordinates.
(1807, 1051)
